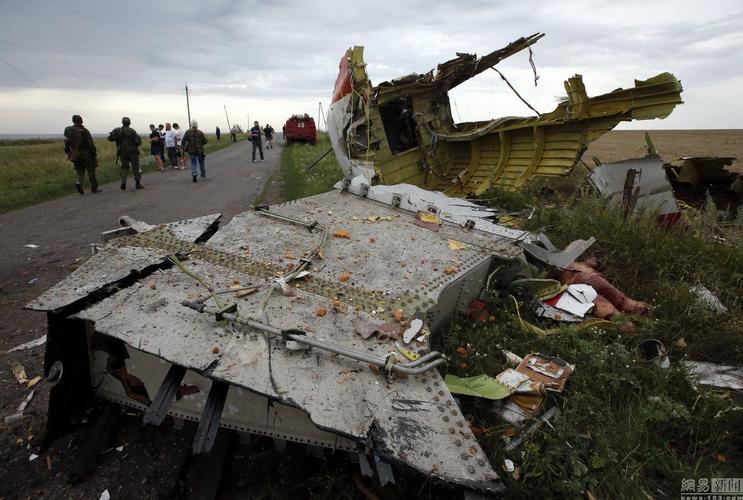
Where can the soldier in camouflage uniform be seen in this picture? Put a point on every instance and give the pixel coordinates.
(127, 150)
(81, 151)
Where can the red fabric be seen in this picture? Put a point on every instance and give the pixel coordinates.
(343, 82)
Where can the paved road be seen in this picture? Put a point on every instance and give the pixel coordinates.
(64, 228)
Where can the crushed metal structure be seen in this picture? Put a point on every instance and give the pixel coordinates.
(403, 131)
(135, 329)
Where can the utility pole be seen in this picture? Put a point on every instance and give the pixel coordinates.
(229, 127)
(188, 107)
(321, 113)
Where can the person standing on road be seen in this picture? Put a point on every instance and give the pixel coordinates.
(233, 133)
(179, 132)
(161, 129)
(170, 145)
(193, 143)
(268, 132)
(219, 135)
(156, 146)
(81, 151)
(127, 150)
(255, 137)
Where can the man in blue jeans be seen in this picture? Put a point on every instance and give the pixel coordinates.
(255, 138)
(193, 144)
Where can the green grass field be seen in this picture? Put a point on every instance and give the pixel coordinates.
(36, 170)
(297, 182)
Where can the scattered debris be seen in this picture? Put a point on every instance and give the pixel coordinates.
(577, 300)
(342, 233)
(410, 333)
(482, 386)
(514, 443)
(245, 292)
(33, 457)
(31, 245)
(654, 351)
(105, 495)
(28, 345)
(456, 245)
(638, 184)
(344, 277)
(19, 372)
(715, 375)
(34, 381)
(32, 281)
(321, 311)
(552, 372)
(709, 299)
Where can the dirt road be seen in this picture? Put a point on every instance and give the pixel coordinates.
(63, 230)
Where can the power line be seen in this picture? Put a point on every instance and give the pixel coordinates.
(33, 82)
(53, 59)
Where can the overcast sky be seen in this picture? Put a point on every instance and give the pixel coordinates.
(274, 58)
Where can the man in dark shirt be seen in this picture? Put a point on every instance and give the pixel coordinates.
(255, 137)
(156, 147)
(81, 151)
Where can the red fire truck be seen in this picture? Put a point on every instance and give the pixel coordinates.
(300, 128)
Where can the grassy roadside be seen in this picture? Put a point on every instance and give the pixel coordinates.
(32, 171)
(296, 181)
(625, 428)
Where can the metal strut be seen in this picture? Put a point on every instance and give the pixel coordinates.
(423, 364)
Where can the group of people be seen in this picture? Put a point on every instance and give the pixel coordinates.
(81, 150)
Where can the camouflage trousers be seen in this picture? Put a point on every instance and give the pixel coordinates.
(126, 161)
(82, 166)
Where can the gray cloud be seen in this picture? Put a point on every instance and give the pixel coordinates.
(289, 52)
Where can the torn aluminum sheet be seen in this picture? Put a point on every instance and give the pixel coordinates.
(577, 300)
(547, 311)
(708, 299)
(120, 263)
(716, 375)
(653, 192)
(468, 215)
(403, 131)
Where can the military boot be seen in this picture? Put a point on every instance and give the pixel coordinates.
(138, 184)
(123, 184)
(79, 188)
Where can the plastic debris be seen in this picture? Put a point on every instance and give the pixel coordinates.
(31, 245)
(33, 457)
(482, 386)
(34, 280)
(105, 495)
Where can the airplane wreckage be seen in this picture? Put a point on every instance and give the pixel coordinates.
(313, 321)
